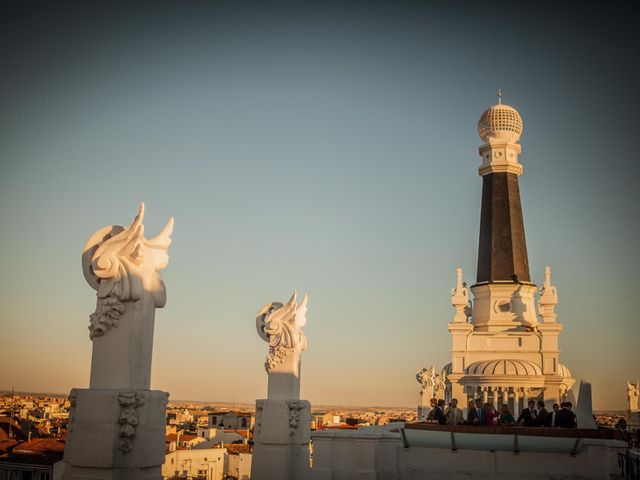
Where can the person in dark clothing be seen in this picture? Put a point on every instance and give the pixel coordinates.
(528, 416)
(543, 419)
(474, 417)
(439, 413)
(553, 415)
(565, 417)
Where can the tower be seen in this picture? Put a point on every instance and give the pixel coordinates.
(500, 350)
(503, 290)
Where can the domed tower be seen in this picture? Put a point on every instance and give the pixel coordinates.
(500, 350)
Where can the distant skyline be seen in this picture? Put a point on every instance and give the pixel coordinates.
(329, 148)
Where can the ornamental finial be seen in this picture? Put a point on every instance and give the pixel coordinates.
(499, 96)
(547, 277)
(548, 298)
(460, 298)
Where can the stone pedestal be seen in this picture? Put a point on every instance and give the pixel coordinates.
(281, 434)
(633, 420)
(282, 430)
(116, 435)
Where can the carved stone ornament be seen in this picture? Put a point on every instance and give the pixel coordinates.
(432, 383)
(295, 407)
(128, 419)
(121, 265)
(425, 379)
(281, 326)
(73, 399)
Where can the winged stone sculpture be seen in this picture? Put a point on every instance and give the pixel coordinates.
(425, 378)
(121, 265)
(280, 325)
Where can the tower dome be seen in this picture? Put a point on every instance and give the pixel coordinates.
(500, 122)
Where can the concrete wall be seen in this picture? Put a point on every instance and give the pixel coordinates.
(376, 454)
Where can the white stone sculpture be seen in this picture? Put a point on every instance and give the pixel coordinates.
(283, 421)
(425, 379)
(121, 265)
(633, 390)
(117, 426)
(433, 386)
(281, 327)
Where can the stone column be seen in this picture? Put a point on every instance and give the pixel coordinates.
(485, 395)
(494, 390)
(117, 425)
(283, 422)
(505, 397)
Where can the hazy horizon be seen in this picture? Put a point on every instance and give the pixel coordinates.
(329, 148)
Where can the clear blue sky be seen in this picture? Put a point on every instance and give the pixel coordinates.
(326, 148)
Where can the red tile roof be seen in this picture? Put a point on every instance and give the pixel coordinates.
(237, 448)
(172, 437)
(41, 445)
(6, 445)
(244, 433)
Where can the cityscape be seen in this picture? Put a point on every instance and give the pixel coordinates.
(203, 439)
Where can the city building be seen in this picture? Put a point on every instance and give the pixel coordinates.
(201, 463)
(231, 420)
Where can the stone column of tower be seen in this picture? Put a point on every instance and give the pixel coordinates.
(117, 425)
(503, 293)
(282, 429)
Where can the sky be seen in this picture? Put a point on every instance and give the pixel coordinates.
(325, 147)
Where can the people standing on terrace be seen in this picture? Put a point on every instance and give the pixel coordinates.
(543, 418)
(433, 402)
(553, 416)
(565, 418)
(474, 416)
(506, 418)
(453, 414)
(528, 416)
(489, 414)
(438, 414)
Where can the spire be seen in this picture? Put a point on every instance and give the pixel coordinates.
(502, 253)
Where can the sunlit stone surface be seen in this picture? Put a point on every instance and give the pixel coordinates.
(117, 426)
(283, 421)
